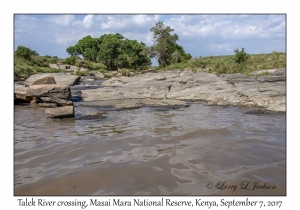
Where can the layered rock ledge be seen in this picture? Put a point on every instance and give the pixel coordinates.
(267, 91)
(264, 90)
(48, 90)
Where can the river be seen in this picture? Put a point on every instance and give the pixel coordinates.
(196, 150)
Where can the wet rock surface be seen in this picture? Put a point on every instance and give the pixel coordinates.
(262, 91)
(60, 112)
(164, 89)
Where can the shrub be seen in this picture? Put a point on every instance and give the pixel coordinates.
(53, 60)
(71, 60)
(124, 72)
(240, 56)
(81, 73)
(103, 71)
(24, 52)
(107, 76)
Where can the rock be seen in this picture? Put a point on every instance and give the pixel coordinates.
(53, 91)
(48, 104)
(266, 92)
(129, 105)
(53, 66)
(279, 72)
(166, 103)
(133, 104)
(20, 92)
(88, 80)
(186, 73)
(271, 78)
(59, 101)
(34, 101)
(60, 112)
(60, 78)
(83, 69)
(96, 113)
(45, 80)
(99, 75)
(149, 71)
(263, 72)
(237, 78)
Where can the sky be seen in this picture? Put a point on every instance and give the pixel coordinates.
(199, 35)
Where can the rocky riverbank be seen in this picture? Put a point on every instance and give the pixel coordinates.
(267, 91)
(48, 90)
(263, 90)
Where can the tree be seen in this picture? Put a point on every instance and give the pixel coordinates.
(24, 52)
(165, 48)
(72, 51)
(133, 55)
(114, 50)
(88, 47)
(117, 52)
(110, 49)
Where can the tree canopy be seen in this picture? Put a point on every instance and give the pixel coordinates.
(114, 50)
(165, 48)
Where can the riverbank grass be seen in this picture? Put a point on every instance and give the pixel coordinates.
(23, 68)
(228, 64)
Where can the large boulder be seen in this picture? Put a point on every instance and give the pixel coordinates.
(60, 112)
(60, 78)
(53, 91)
(45, 80)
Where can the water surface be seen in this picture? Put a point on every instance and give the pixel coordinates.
(149, 151)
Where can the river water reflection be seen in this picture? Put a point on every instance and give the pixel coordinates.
(150, 151)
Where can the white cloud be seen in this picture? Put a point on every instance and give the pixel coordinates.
(62, 20)
(88, 21)
(132, 23)
(198, 34)
(220, 47)
(229, 26)
(141, 19)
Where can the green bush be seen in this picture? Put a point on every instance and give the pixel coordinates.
(81, 73)
(107, 76)
(240, 56)
(71, 60)
(103, 71)
(24, 52)
(124, 72)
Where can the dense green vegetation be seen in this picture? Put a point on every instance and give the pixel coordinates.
(115, 52)
(229, 65)
(118, 52)
(28, 62)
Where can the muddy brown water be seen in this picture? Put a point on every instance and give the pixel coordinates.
(197, 150)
